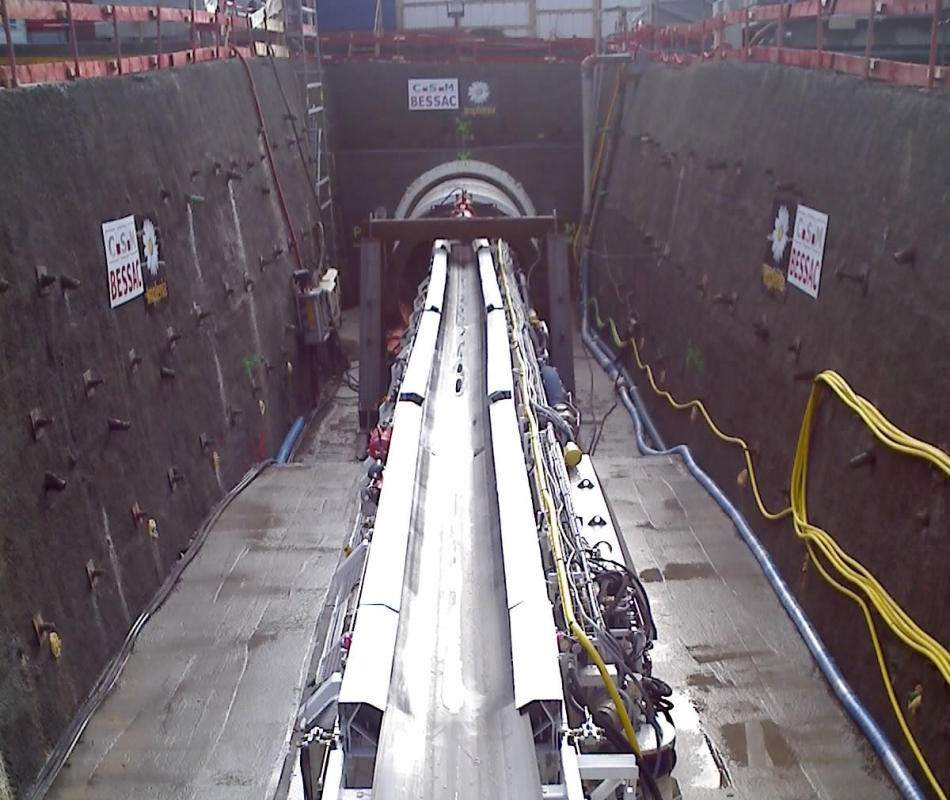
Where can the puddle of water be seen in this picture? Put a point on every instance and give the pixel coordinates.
(702, 680)
(685, 572)
(708, 655)
(699, 765)
(651, 575)
(678, 572)
(672, 504)
(758, 744)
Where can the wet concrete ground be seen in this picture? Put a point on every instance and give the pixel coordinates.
(755, 718)
(205, 706)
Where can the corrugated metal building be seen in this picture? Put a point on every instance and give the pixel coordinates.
(537, 18)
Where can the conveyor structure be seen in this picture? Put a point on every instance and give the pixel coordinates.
(486, 619)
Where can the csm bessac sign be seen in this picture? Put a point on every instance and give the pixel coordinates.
(123, 264)
(433, 94)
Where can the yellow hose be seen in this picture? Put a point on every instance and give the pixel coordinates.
(698, 405)
(557, 547)
(815, 538)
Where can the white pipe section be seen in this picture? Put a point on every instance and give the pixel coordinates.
(499, 374)
(416, 380)
(534, 657)
(435, 296)
(486, 271)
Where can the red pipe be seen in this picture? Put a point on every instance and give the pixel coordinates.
(192, 30)
(11, 55)
(72, 37)
(935, 26)
(158, 32)
(118, 43)
(870, 40)
(270, 159)
(781, 28)
(745, 36)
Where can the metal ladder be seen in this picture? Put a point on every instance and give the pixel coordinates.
(318, 151)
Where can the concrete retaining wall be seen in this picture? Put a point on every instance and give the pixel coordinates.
(704, 154)
(74, 157)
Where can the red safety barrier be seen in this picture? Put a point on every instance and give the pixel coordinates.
(231, 34)
(675, 44)
(52, 71)
(668, 44)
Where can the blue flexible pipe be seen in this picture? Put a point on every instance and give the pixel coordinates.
(899, 773)
(290, 440)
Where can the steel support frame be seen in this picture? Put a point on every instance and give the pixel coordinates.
(560, 308)
(461, 228)
(372, 363)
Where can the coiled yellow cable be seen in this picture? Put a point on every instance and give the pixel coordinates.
(853, 571)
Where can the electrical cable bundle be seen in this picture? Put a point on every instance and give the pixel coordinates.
(821, 545)
(574, 559)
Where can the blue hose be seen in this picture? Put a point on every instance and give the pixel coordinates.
(882, 746)
(290, 440)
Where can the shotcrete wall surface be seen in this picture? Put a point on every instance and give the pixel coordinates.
(528, 124)
(704, 157)
(74, 157)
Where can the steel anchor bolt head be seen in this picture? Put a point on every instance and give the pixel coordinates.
(53, 483)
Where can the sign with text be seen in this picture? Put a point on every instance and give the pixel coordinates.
(480, 99)
(433, 94)
(777, 247)
(808, 250)
(123, 264)
(156, 283)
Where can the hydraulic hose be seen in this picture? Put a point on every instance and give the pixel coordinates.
(842, 689)
(283, 455)
(557, 546)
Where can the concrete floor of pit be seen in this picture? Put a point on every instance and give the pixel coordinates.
(206, 704)
(755, 718)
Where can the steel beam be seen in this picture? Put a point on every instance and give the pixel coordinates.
(462, 229)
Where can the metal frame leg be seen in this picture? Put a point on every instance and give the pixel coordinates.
(371, 332)
(560, 314)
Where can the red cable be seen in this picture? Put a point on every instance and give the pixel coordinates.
(270, 159)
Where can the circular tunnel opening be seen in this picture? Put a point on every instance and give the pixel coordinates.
(493, 192)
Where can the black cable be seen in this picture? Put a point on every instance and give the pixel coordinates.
(650, 787)
(555, 419)
(530, 272)
(574, 685)
(109, 676)
(445, 199)
(637, 584)
(600, 431)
